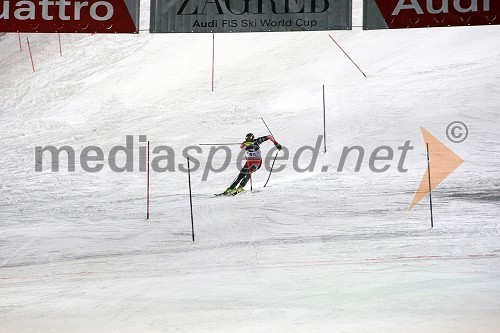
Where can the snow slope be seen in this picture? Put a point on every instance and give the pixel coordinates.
(320, 251)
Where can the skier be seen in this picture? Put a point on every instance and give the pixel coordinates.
(252, 163)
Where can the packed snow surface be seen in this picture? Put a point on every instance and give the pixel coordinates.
(314, 251)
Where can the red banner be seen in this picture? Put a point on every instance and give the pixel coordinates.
(438, 13)
(90, 16)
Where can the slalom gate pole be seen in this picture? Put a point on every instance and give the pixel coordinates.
(60, 46)
(348, 56)
(270, 171)
(274, 156)
(31, 55)
(213, 59)
(147, 190)
(430, 189)
(190, 200)
(324, 119)
(20, 45)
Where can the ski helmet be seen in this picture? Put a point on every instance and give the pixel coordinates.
(249, 137)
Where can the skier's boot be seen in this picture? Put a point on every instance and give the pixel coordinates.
(239, 190)
(229, 191)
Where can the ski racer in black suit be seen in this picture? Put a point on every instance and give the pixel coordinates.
(252, 164)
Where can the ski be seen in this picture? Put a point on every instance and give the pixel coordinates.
(225, 195)
(228, 194)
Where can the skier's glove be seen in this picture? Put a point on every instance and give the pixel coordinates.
(278, 146)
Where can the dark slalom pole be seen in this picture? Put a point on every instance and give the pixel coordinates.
(148, 188)
(324, 119)
(274, 156)
(430, 189)
(190, 199)
(213, 60)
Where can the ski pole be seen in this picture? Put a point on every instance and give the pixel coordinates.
(272, 166)
(267, 127)
(218, 144)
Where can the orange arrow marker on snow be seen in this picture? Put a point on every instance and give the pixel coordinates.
(443, 161)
